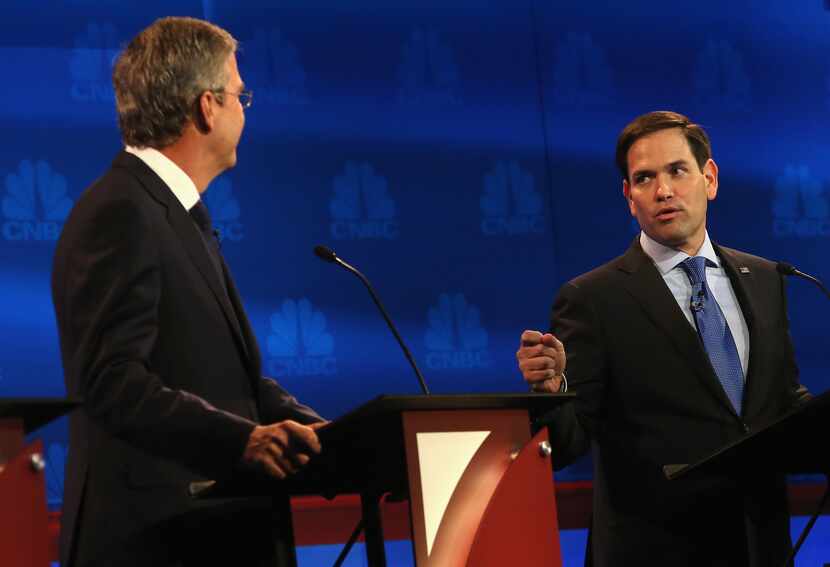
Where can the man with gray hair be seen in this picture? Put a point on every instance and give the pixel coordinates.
(153, 334)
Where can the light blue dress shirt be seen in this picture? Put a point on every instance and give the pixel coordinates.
(668, 262)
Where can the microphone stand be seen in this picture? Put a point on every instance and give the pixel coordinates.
(790, 270)
(327, 254)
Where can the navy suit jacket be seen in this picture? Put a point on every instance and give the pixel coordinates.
(648, 396)
(165, 361)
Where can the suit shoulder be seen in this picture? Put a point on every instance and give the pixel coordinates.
(740, 259)
(117, 196)
(601, 276)
(114, 208)
(115, 185)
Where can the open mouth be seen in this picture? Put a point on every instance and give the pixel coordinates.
(667, 214)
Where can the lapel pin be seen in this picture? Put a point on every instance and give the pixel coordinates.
(743, 269)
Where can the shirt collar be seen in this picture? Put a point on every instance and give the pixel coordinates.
(666, 259)
(173, 176)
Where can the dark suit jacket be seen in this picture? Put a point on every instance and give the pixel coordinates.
(166, 362)
(648, 396)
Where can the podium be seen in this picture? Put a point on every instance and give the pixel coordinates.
(791, 444)
(24, 538)
(479, 485)
(786, 445)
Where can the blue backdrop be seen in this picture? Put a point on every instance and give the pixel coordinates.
(460, 153)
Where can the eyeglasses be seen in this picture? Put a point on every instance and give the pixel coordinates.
(246, 98)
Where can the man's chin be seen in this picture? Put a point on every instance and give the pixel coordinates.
(668, 239)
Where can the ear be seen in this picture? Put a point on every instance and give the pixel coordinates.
(710, 176)
(627, 194)
(205, 117)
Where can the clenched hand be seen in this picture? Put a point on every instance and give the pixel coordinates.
(542, 361)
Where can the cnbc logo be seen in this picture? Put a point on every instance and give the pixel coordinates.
(581, 75)
(800, 206)
(35, 203)
(510, 204)
(299, 344)
(224, 210)
(428, 73)
(91, 62)
(362, 207)
(455, 338)
(721, 78)
(271, 65)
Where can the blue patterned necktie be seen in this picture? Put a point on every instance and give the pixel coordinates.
(714, 332)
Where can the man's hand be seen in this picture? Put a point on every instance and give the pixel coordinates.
(542, 361)
(282, 448)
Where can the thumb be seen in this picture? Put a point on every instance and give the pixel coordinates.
(531, 338)
(551, 341)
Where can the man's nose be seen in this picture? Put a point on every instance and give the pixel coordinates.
(664, 189)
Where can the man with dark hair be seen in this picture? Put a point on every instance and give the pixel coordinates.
(653, 122)
(154, 337)
(675, 348)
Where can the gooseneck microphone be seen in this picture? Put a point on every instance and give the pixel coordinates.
(327, 254)
(790, 270)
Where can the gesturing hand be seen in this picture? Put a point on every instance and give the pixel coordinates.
(542, 361)
(283, 448)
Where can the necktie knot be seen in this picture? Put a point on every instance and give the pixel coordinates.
(201, 216)
(695, 268)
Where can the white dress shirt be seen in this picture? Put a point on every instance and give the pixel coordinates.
(177, 180)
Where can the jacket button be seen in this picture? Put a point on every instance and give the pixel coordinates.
(745, 427)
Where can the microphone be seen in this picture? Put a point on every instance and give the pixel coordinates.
(327, 254)
(790, 270)
(698, 301)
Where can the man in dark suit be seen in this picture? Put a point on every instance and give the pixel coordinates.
(675, 348)
(154, 337)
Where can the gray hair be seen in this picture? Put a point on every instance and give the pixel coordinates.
(160, 75)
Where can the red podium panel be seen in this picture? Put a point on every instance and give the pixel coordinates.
(464, 469)
(24, 530)
(520, 525)
(24, 524)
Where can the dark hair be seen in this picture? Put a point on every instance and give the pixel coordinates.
(662, 120)
(162, 72)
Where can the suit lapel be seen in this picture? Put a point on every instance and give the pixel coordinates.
(249, 339)
(188, 234)
(187, 231)
(744, 285)
(647, 286)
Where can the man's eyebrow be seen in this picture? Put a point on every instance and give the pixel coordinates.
(677, 163)
(638, 172)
